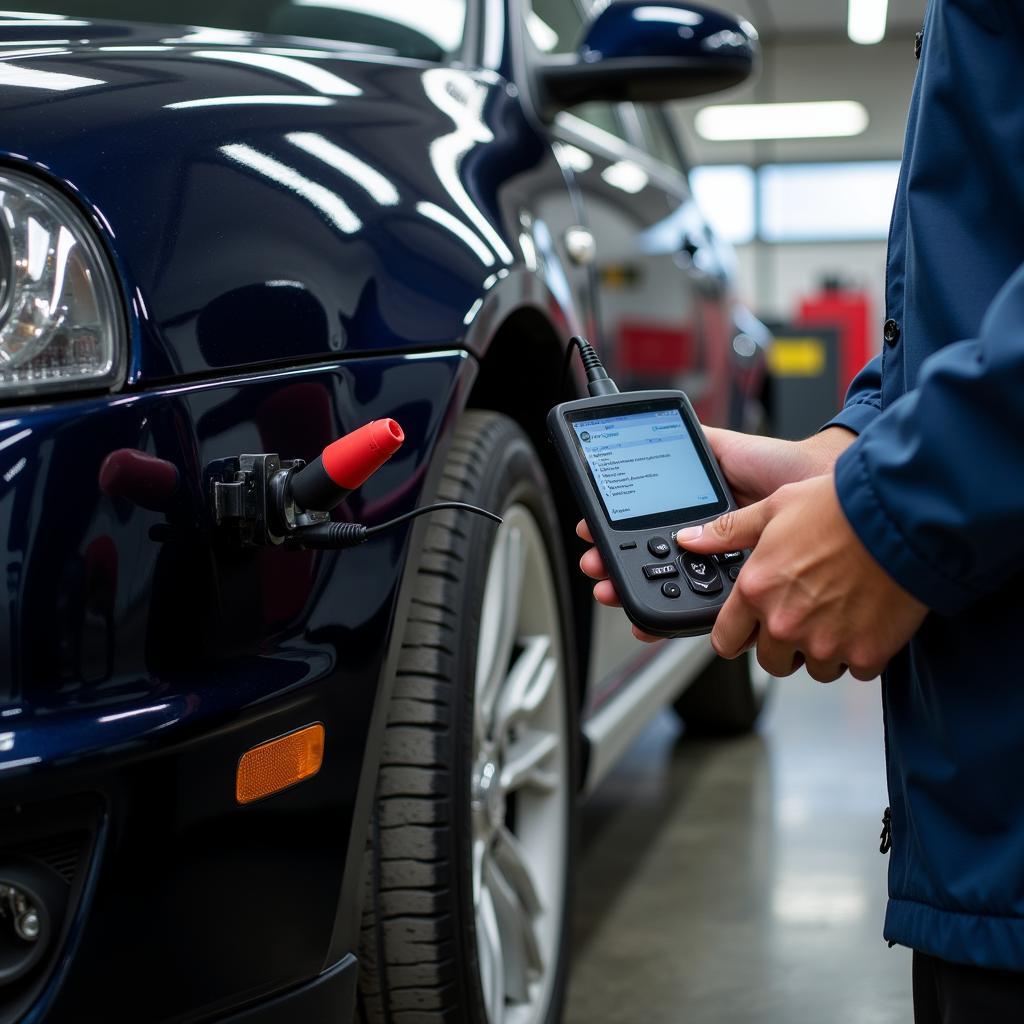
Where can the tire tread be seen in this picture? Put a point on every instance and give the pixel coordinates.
(408, 944)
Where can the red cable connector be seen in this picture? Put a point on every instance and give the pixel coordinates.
(345, 465)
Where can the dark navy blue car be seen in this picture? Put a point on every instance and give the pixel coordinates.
(250, 783)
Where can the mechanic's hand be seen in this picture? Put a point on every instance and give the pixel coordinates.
(757, 466)
(593, 566)
(810, 591)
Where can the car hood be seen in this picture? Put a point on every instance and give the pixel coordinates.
(22, 35)
(266, 198)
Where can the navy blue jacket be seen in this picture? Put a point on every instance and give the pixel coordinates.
(934, 487)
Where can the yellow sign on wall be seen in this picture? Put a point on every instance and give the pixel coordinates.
(797, 357)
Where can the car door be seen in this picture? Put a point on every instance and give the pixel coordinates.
(651, 294)
(705, 372)
(659, 292)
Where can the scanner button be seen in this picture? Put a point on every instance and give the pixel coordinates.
(657, 572)
(730, 557)
(630, 545)
(671, 590)
(705, 586)
(700, 567)
(659, 547)
(701, 573)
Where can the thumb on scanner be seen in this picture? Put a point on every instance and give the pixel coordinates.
(740, 528)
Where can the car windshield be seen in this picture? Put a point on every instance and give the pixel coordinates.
(424, 29)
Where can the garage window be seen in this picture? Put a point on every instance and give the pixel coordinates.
(826, 202)
(813, 202)
(726, 196)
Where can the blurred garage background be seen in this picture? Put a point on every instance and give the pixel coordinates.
(744, 882)
(798, 170)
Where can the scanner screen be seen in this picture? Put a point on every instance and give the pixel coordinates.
(644, 463)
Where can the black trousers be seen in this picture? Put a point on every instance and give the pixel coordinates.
(946, 993)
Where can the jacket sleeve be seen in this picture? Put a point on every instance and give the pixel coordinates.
(863, 399)
(934, 486)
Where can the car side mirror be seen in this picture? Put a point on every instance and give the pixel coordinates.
(651, 50)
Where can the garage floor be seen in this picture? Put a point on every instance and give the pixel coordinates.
(741, 881)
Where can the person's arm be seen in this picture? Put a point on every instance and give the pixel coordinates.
(863, 399)
(925, 510)
(934, 486)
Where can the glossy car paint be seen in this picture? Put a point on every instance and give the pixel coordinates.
(366, 222)
(146, 657)
(290, 270)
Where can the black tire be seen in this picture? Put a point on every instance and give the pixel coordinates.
(723, 700)
(418, 951)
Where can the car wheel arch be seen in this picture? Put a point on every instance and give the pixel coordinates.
(519, 374)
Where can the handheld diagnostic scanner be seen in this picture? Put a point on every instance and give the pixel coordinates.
(642, 470)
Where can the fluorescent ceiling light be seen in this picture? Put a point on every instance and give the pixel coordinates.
(543, 35)
(739, 121)
(317, 78)
(670, 14)
(333, 207)
(369, 178)
(30, 78)
(626, 175)
(866, 20)
(253, 101)
(578, 159)
(18, 21)
(461, 231)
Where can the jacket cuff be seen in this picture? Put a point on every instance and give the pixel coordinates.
(855, 416)
(881, 534)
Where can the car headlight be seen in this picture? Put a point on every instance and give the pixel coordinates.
(60, 315)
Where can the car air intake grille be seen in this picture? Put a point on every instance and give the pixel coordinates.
(45, 851)
(62, 853)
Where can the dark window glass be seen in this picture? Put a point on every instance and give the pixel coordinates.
(658, 135)
(555, 26)
(411, 28)
(601, 115)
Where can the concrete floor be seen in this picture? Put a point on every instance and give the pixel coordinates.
(735, 882)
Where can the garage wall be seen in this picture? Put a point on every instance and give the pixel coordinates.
(774, 276)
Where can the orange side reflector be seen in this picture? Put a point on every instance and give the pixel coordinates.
(280, 763)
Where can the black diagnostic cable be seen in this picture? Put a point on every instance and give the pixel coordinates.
(337, 536)
(334, 536)
(598, 381)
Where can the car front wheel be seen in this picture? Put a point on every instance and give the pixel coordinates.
(468, 861)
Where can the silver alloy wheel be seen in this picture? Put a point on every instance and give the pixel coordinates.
(520, 777)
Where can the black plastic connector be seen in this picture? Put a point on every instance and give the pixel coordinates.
(598, 381)
(314, 488)
(254, 497)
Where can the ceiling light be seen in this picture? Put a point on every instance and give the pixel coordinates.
(543, 35)
(252, 101)
(54, 81)
(742, 121)
(626, 175)
(461, 231)
(866, 20)
(369, 178)
(333, 207)
(317, 78)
